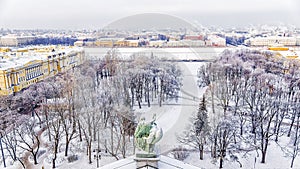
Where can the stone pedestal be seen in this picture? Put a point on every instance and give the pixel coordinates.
(146, 162)
(145, 155)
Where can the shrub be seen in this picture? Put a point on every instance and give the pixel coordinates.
(180, 153)
(72, 158)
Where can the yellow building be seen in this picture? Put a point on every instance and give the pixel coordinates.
(278, 48)
(289, 54)
(133, 43)
(4, 49)
(104, 43)
(109, 42)
(18, 70)
(121, 43)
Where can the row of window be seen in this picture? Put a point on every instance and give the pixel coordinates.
(36, 71)
(33, 75)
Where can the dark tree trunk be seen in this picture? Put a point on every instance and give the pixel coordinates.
(54, 159)
(22, 163)
(221, 162)
(35, 158)
(67, 148)
(241, 129)
(292, 123)
(132, 96)
(201, 152)
(139, 102)
(79, 130)
(90, 151)
(2, 152)
(263, 157)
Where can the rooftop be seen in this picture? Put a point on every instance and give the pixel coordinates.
(163, 163)
(20, 56)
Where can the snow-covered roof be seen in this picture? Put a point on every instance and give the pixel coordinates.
(16, 59)
(274, 38)
(290, 54)
(110, 39)
(163, 163)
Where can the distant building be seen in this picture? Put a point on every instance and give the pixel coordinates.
(121, 43)
(285, 52)
(289, 54)
(214, 40)
(106, 42)
(193, 37)
(79, 43)
(185, 43)
(4, 49)
(267, 41)
(157, 43)
(13, 40)
(298, 41)
(133, 43)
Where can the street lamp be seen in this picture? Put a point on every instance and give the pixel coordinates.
(97, 156)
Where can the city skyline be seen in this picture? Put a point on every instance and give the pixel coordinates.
(92, 14)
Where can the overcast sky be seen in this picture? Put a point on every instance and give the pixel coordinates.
(95, 14)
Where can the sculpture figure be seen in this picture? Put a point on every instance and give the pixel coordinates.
(147, 134)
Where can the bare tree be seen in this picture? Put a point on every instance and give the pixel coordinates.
(223, 136)
(87, 115)
(55, 109)
(10, 142)
(126, 124)
(2, 151)
(56, 134)
(69, 117)
(296, 142)
(28, 139)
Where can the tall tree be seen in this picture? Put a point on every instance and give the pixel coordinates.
(28, 138)
(199, 131)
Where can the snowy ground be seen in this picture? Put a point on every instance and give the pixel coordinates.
(276, 159)
(173, 118)
(169, 53)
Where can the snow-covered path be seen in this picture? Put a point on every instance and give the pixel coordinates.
(188, 107)
(174, 117)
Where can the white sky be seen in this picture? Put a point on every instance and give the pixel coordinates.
(78, 14)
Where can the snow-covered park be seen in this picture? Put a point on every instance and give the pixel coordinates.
(173, 117)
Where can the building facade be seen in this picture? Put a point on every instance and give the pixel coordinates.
(12, 40)
(268, 41)
(18, 70)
